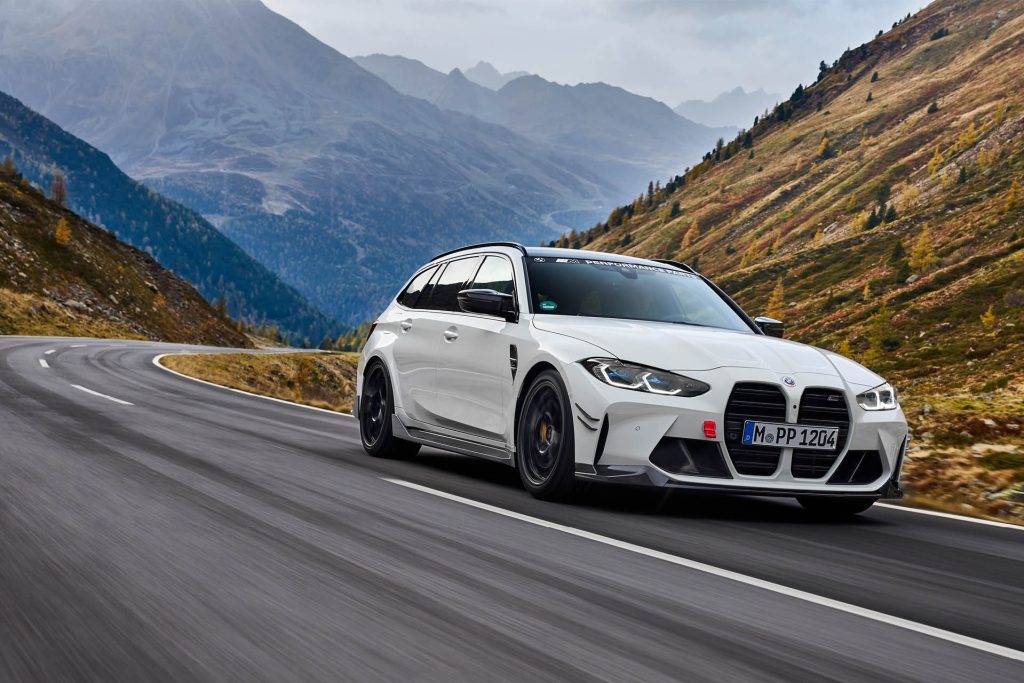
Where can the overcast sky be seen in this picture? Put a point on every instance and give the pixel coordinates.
(668, 49)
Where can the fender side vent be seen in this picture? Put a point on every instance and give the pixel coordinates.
(601, 438)
(513, 359)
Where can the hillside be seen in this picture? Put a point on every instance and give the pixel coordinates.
(59, 275)
(324, 173)
(880, 212)
(624, 138)
(177, 237)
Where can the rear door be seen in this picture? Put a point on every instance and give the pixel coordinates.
(474, 377)
(415, 346)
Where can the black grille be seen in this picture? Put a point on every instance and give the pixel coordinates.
(750, 401)
(821, 408)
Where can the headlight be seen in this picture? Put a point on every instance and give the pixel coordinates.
(640, 378)
(882, 397)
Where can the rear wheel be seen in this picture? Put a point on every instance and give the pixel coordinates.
(835, 507)
(545, 447)
(376, 406)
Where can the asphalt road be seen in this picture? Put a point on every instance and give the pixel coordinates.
(186, 532)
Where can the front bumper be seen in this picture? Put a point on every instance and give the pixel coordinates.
(619, 434)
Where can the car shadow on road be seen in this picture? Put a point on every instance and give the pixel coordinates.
(644, 502)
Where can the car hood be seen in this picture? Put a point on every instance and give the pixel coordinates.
(682, 348)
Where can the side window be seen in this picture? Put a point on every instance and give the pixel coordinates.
(444, 295)
(496, 274)
(412, 293)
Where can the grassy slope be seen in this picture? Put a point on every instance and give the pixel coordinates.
(786, 213)
(321, 380)
(93, 285)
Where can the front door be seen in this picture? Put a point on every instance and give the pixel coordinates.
(474, 376)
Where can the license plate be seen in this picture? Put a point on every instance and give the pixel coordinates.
(789, 436)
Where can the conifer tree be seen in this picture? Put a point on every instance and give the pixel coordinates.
(776, 302)
(989, 318)
(1014, 197)
(935, 163)
(922, 256)
(62, 233)
(59, 189)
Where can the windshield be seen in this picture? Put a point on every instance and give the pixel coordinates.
(605, 289)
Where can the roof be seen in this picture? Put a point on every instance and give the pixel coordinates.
(557, 252)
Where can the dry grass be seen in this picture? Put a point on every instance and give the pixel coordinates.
(314, 379)
(30, 314)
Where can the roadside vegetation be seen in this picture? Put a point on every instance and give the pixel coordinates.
(323, 380)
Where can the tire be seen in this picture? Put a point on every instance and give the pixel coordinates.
(376, 406)
(835, 508)
(545, 444)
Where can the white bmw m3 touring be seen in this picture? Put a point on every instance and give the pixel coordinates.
(574, 365)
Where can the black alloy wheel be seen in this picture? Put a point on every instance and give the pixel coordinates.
(376, 406)
(545, 447)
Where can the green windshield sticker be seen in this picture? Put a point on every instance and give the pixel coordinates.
(548, 305)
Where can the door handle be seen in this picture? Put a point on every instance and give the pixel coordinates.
(451, 334)
(406, 325)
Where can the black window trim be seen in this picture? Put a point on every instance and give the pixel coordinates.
(398, 298)
(444, 264)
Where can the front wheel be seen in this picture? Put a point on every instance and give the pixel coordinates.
(834, 508)
(545, 447)
(376, 406)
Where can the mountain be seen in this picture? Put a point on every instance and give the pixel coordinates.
(879, 211)
(733, 108)
(486, 75)
(177, 237)
(59, 275)
(626, 139)
(320, 170)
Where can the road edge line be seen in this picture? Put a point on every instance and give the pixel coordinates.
(157, 359)
(950, 515)
(820, 600)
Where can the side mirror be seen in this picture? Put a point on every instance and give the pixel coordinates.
(770, 326)
(488, 302)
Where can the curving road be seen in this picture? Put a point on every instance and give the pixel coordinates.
(156, 528)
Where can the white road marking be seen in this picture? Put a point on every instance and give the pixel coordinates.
(96, 393)
(78, 346)
(43, 363)
(51, 351)
(156, 362)
(846, 607)
(949, 515)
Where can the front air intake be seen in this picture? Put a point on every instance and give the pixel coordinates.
(692, 457)
(753, 401)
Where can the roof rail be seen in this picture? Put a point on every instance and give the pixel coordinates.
(677, 264)
(514, 245)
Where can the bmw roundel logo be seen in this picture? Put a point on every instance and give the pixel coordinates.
(789, 381)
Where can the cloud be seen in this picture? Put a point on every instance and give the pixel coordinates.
(668, 49)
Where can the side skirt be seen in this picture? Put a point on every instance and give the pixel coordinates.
(449, 443)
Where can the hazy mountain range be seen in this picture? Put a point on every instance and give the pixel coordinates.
(486, 75)
(322, 171)
(733, 108)
(625, 138)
